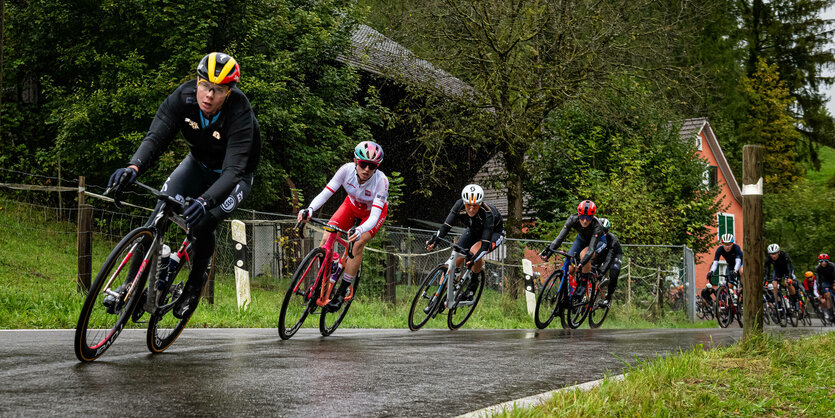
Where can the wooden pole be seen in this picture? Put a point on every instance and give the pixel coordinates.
(391, 268)
(84, 246)
(629, 281)
(752, 240)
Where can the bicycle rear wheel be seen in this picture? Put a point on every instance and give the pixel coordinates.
(461, 310)
(598, 313)
(427, 299)
(99, 326)
(546, 302)
(723, 307)
(329, 321)
(163, 327)
(782, 316)
(299, 299)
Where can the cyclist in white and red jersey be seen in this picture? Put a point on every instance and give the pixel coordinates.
(367, 189)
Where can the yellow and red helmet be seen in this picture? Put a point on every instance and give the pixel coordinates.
(809, 274)
(219, 68)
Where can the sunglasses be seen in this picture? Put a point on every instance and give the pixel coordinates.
(206, 86)
(367, 165)
(585, 217)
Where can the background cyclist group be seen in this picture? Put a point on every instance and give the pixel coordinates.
(778, 272)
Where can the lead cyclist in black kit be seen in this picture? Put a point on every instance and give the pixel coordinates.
(484, 233)
(224, 141)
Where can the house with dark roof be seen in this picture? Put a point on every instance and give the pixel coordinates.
(719, 172)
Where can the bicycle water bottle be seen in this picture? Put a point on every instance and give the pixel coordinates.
(170, 269)
(162, 266)
(337, 267)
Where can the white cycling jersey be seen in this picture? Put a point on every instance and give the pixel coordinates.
(369, 196)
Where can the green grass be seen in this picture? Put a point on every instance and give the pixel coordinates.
(38, 289)
(767, 376)
(827, 171)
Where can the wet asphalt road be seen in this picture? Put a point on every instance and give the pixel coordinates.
(224, 372)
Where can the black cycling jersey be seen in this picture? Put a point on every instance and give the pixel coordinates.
(730, 257)
(782, 266)
(487, 221)
(230, 145)
(613, 251)
(590, 234)
(825, 275)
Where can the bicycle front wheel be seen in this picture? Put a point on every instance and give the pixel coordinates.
(723, 307)
(460, 310)
(546, 302)
(329, 321)
(300, 295)
(163, 327)
(427, 299)
(598, 313)
(580, 303)
(98, 324)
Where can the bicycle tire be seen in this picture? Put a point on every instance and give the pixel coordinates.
(326, 329)
(793, 315)
(163, 327)
(766, 313)
(723, 307)
(130, 250)
(579, 310)
(782, 317)
(546, 301)
(431, 291)
(597, 314)
(456, 308)
(298, 298)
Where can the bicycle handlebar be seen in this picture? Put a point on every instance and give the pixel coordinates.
(158, 194)
(327, 227)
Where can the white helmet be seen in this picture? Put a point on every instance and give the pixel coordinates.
(472, 194)
(604, 222)
(773, 248)
(709, 286)
(727, 239)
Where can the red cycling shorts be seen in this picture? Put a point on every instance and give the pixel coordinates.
(347, 212)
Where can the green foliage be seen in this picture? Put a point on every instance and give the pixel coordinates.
(800, 227)
(770, 123)
(90, 94)
(642, 175)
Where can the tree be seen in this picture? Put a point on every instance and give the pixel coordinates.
(792, 35)
(529, 57)
(770, 123)
(88, 77)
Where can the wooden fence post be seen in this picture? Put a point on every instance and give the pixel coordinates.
(84, 239)
(629, 281)
(391, 282)
(752, 240)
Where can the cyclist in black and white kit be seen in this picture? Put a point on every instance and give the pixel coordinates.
(611, 257)
(224, 141)
(782, 274)
(825, 272)
(590, 239)
(732, 253)
(484, 233)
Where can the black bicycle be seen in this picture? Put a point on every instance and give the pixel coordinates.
(564, 296)
(119, 293)
(435, 290)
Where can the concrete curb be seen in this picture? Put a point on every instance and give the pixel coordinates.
(535, 400)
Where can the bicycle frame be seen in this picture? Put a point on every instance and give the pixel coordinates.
(158, 226)
(325, 268)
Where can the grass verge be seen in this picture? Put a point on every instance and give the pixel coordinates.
(767, 376)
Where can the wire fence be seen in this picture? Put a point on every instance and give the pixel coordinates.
(652, 277)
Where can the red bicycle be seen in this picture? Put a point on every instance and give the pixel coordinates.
(311, 287)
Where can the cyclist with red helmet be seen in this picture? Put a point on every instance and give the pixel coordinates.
(224, 141)
(368, 190)
(590, 239)
(484, 233)
(826, 276)
(732, 253)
